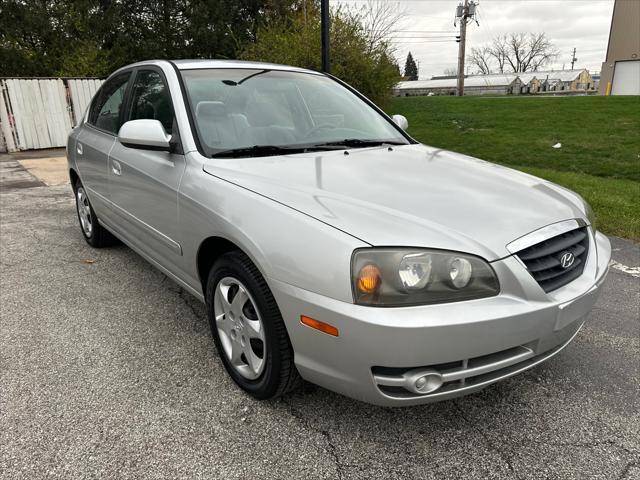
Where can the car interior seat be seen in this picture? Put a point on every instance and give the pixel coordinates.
(217, 127)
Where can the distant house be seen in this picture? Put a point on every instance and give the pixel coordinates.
(508, 84)
(562, 80)
(530, 82)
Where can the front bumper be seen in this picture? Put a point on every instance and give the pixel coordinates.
(473, 343)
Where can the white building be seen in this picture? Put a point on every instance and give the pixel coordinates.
(502, 84)
(507, 84)
(621, 68)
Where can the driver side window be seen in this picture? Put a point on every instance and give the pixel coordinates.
(151, 99)
(105, 110)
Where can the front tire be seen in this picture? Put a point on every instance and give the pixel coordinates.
(94, 233)
(248, 329)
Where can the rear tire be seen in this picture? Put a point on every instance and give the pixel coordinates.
(249, 334)
(94, 233)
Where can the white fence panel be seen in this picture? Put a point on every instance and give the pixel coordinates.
(6, 123)
(26, 114)
(82, 91)
(39, 113)
(14, 97)
(54, 96)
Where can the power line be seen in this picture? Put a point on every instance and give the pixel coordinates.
(447, 39)
(486, 23)
(425, 41)
(423, 37)
(426, 31)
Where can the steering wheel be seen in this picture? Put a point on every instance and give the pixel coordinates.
(317, 128)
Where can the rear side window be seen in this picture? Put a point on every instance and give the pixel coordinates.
(106, 108)
(151, 99)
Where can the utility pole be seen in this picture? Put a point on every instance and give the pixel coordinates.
(462, 47)
(573, 58)
(465, 13)
(324, 19)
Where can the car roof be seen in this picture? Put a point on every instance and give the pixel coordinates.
(196, 64)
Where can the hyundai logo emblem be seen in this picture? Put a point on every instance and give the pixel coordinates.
(567, 259)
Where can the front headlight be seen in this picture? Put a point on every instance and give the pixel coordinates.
(391, 277)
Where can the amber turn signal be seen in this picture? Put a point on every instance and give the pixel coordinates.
(369, 279)
(318, 325)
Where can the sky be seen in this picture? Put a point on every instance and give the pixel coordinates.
(427, 29)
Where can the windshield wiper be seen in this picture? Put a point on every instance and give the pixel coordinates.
(257, 151)
(358, 143)
(266, 150)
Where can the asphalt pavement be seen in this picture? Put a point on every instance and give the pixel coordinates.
(108, 369)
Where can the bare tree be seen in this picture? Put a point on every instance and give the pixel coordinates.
(451, 72)
(499, 51)
(528, 52)
(516, 52)
(381, 20)
(481, 59)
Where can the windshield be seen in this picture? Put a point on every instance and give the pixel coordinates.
(244, 110)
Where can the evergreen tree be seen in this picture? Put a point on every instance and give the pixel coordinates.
(410, 68)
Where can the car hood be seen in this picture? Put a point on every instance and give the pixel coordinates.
(410, 195)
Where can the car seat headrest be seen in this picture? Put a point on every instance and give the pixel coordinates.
(211, 109)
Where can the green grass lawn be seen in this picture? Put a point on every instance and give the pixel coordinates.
(600, 137)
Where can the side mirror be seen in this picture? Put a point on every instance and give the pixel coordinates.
(144, 134)
(401, 121)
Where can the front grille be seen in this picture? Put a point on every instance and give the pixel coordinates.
(544, 260)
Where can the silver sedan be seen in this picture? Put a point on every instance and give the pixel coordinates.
(326, 243)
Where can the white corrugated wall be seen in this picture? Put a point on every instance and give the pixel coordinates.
(39, 113)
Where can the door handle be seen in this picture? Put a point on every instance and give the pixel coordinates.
(116, 168)
(79, 148)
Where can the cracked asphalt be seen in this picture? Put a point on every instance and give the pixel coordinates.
(107, 369)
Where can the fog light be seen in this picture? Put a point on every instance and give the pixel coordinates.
(423, 381)
(428, 383)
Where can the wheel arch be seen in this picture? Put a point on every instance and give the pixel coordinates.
(212, 248)
(73, 178)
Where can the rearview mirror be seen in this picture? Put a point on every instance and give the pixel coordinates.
(145, 134)
(401, 121)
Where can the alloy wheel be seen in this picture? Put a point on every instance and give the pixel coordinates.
(84, 211)
(240, 328)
